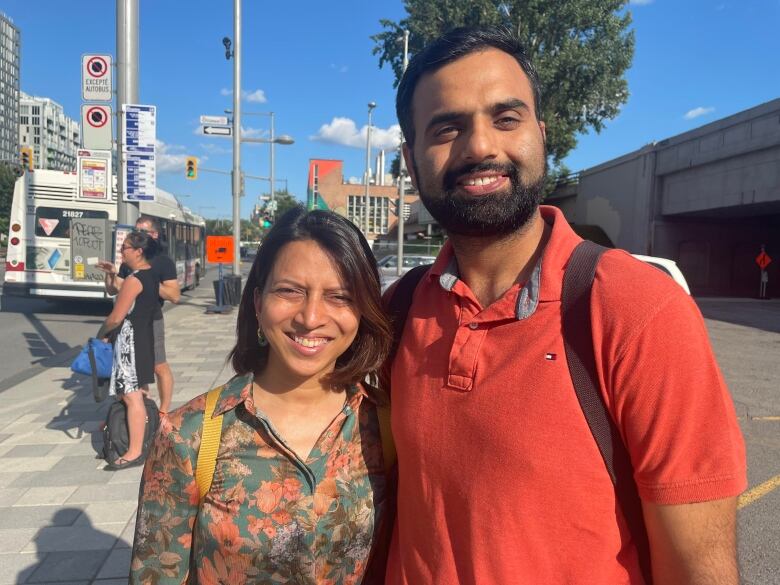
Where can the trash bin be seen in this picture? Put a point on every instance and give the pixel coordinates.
(231, 291)
(233, 284)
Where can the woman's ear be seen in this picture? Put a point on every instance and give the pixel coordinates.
(258, 301)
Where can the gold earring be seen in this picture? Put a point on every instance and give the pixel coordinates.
(261, 339)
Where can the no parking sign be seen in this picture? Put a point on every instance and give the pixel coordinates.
(96, 83)
(96, 127)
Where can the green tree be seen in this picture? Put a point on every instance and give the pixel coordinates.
(8, 175)
(219, 227)
(581, 48)
(284, 202)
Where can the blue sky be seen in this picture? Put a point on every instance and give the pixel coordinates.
(310, 62)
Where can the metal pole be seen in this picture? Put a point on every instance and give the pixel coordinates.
(402, 177)
(371, 106)
(236, 137)
(126, 93)
(273, 183)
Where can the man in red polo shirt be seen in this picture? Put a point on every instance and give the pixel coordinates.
(500, 479)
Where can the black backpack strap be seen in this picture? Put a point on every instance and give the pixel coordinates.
(578, 342)
(400, 301)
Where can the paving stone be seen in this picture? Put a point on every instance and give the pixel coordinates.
(8, 496)
(15, 539)
(4, 436)
(7, 479)
(29, 451)
(132, 475)
(109, 512)
(17, 567)
(38, 516)
(100, 493)
(66, 473)
(68, 565)
(127, 536)
(45, 496)
(117, 564)
(74, 538)
(15, 465)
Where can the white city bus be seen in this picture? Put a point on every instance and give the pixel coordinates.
(38, 262)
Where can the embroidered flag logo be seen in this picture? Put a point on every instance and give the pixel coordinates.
(551, 357)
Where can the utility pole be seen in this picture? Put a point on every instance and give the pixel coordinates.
(371, 106)
(402, 177)
(126, 93)
(236, 138)
(273, 183)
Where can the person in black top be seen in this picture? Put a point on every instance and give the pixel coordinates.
(165, 270)
(133, 313)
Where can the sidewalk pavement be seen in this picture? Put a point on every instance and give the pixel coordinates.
(63, 519)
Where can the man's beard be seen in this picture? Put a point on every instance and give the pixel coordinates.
(495, 214)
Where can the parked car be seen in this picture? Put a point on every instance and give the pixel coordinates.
(388, 267)
(668, 267)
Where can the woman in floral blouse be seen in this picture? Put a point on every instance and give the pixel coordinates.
(299, 489)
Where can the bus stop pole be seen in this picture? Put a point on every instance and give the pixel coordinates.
(126, 93)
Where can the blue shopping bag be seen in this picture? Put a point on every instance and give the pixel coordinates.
(102, 355)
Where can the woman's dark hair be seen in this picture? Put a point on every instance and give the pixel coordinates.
(450, 47)
(346, 246)
(142, 241)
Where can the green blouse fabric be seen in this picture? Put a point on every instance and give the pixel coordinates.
(269, 517)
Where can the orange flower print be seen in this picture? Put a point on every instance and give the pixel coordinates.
(292, 489)
(322, 503)
(254, 525)
(219, 573)
(281, 517)
(227, 535)
(268, 496)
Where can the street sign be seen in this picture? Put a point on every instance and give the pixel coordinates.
(218, 120)
(94, 168)
(140, 176)
(139, 128)
(763, 260)
(96, 127)
(96, 83)
(219, 249)
(217, 130)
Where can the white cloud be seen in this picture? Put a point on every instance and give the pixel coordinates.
(252, 132)
(256, 97)
(339, 68)
(344, 131)
(641, 2)
(171, 158)
(696, 112)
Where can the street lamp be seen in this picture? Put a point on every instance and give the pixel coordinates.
(371, 106)
(283, 139)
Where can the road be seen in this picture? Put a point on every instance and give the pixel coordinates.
(745, 336)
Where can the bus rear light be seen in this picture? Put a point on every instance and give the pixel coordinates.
(15, 241)
(14, 266)
(15, 227)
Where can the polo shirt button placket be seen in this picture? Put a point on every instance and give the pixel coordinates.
(473, 325)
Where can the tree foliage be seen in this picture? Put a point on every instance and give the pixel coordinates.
(8, 175)
(581, 49)
(285, 201)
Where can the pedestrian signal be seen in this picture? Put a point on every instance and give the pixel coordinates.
(27, 158)
(192, 168)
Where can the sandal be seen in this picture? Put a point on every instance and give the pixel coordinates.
(123, 463)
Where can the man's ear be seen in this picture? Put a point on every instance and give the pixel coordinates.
(409, 160)
(543, 128)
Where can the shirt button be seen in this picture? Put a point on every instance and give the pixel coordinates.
(473, 326)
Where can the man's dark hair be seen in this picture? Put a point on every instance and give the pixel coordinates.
(450, 47)
(349, 251)
(142, 241)
(152, 221)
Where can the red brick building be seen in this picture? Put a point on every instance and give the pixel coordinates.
(328, 190)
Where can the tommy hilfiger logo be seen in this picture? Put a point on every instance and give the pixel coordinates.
(551, 356)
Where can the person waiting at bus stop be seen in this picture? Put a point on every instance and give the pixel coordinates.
(165, 270)
(133, 367)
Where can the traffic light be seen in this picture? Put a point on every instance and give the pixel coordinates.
(267, 220)
(27, 158)
(192, 168)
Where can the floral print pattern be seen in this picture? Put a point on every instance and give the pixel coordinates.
(269, 517)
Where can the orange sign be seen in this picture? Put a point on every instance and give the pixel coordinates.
(763, 260)
(219, 249)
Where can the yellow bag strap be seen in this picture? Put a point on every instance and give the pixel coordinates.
(209, 444)
(386, 435)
